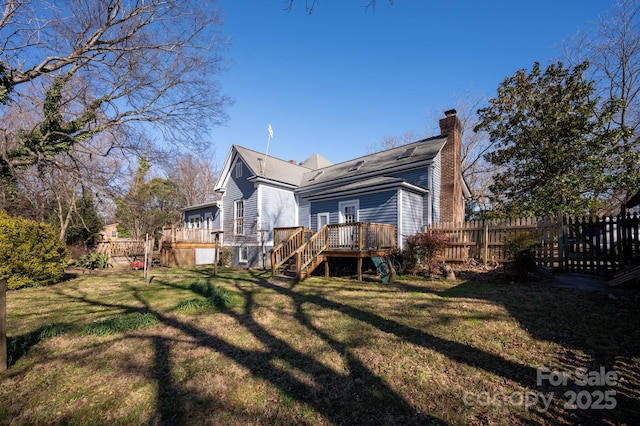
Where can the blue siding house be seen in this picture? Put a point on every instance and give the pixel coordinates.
(409, 187)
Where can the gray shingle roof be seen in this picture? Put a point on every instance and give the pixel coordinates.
(309, 172)
(275, 168)
(421, 151)
(367, 184)
(316, 161)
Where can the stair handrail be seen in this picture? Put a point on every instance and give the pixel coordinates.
(309, 253)
(286, 249)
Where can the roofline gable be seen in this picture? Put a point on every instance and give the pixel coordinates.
(226, 169)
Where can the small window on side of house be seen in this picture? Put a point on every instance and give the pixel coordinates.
(238, 225)
(243, 255)
(238, 169)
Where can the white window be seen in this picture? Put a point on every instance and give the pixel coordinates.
(323, 219)
(114, 234)
(208, 221)
(243, 255)
(194, 221)
(238, 169)
(238, 222)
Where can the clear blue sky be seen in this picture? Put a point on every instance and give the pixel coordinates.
(336, 82)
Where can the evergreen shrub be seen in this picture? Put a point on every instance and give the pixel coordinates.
(31, 253)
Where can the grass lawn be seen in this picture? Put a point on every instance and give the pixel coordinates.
(110, 349)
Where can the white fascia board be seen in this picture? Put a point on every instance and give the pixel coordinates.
(258, 180)
(226, 171)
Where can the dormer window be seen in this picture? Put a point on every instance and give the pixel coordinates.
(357, 166)
(238, 169)
(407, 153)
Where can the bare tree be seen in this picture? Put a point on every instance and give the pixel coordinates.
(310, 5)
(195, 178)
(141, 73)
(612, 47)
(389, 142)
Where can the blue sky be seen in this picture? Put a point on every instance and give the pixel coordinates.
(337, 81)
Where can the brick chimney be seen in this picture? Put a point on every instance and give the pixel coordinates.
(451, 201)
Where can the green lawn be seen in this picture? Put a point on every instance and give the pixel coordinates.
(325, 351)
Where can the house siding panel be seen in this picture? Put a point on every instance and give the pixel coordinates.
(240, 189)
(278, 210)
(378, 207)
(304, 211)
(324, 206)
(418, 176)
(412, 213)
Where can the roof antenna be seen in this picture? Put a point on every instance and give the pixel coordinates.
(264, 163)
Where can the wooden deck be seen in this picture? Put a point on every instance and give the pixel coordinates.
(298, 252)
(178, 246)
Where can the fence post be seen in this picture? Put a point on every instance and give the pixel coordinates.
(485, 242)
(3, 325)
(561, 240)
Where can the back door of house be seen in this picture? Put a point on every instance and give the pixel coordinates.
(349, 214)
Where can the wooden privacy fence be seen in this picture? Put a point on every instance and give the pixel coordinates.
(117, 248)
(485, 240)
(593, 245)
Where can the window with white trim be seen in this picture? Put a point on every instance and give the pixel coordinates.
(238, 169)
(238, 217)
(243, 255)
(194, 221)
(323, 219)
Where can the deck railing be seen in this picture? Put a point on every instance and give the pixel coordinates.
(287, 241)
(190, 235)
(361, 236)
(308, 256)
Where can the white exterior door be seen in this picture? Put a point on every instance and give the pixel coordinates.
(349, 211)
(349, 214)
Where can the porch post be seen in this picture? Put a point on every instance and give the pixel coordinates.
(359, 268)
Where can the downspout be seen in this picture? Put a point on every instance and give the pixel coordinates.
(399, 226)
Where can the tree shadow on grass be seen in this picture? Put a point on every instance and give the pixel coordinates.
(593, 331)
(357, 397)
(19, 346)
(347, 401)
